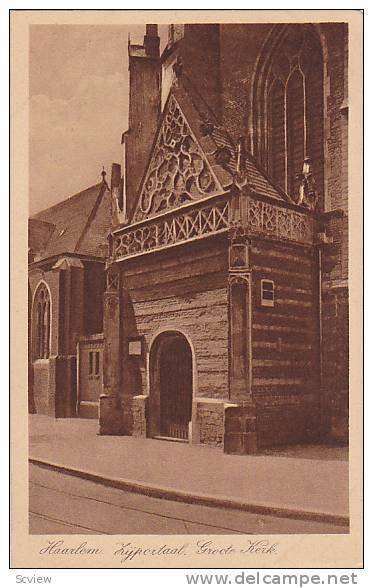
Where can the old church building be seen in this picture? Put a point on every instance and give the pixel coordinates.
(67, 252)
(203, 296)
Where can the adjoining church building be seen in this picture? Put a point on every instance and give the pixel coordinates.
(67, 252)
(225, 310)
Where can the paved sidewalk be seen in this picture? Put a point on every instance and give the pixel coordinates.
(297, 485)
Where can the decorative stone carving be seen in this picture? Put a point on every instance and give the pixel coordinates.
(239, 278)
(206, 219)
(239, 248)
(161, 233)
(206, 127)
(282, 223)
(178, 172)
(238, 234)
(307, 188)
(178, 67)
(112, 280)
(240, 176)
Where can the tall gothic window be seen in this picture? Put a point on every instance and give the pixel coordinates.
(288, 108)
(41, 312)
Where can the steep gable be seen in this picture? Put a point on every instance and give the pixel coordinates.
(179, 171)
(192, 159)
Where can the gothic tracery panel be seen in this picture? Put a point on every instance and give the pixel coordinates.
(178, 170)
(279, 223)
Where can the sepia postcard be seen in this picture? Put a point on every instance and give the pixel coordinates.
(186, 201)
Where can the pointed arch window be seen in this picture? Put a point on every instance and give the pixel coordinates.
(276, 116)
(295, 129)
(288, 110)
(41, 317)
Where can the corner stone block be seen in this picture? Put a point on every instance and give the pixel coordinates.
(140, 415)
(62, 386)
(110, 416)
(240, 435)
(207, 426)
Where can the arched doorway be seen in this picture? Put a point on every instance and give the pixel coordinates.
(171, 386)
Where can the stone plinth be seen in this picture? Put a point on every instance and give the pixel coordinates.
(110, 416)
(240, 434)
(140, 415)
(210, 416)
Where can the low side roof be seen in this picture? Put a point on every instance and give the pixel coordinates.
(39, 233)
(80, 224)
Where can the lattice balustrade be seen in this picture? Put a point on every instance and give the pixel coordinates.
(207, 219)
(170, 230)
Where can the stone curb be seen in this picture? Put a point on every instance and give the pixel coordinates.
(155, 491)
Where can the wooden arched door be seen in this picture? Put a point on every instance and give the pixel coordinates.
(172, 385)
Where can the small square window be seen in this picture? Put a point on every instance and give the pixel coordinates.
(267, 293)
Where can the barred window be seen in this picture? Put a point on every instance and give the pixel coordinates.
(288, 107)
(94, 363)
(267, 293)
(42, 323)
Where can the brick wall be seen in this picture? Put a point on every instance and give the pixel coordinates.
(144, 110)
(285, 352)
(285, 336)
(90, 384)
(94, 287)
(239, 49)
(52, 281)
(43, 390)
(286, 419)
(200, 52)
(54, 382)
(335, 321)
(335, 39)
(335, 365)
(41, 386)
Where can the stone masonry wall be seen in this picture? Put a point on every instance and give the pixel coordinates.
(139, 415)
(210, 418)
(184, 292)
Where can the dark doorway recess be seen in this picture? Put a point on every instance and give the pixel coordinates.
(171, 386)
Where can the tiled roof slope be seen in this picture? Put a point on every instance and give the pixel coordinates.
(94, 239)
(196, 111)
(39, 233)
(81, 224)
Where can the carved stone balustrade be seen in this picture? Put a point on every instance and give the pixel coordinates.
(206, 218)
(279, 222)
(203, 219)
